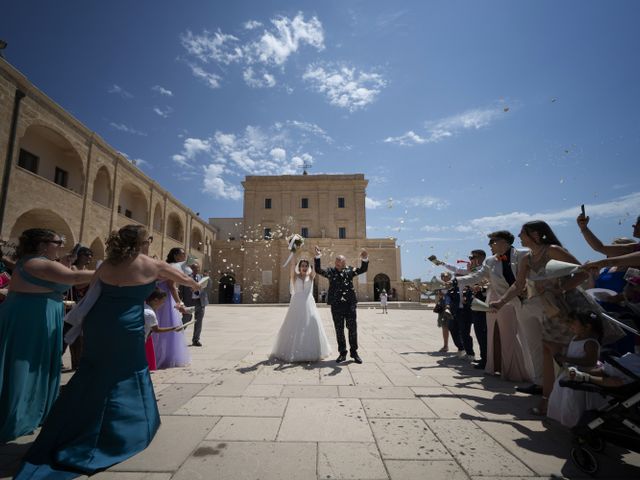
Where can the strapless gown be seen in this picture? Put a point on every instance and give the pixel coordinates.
(107, 412)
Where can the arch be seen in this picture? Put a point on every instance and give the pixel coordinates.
(41, 218)
(157, 218)
(175, 229)
(97, 247)
(102, 187)
(380, 282)
(47, 153)
(133, 203)
(225, 288)
(196, 239)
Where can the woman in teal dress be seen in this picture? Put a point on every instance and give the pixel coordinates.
(107, 412)
(31, 333)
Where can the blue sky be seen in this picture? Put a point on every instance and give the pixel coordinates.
(465, 116)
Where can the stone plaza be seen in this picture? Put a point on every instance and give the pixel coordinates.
(406, 413)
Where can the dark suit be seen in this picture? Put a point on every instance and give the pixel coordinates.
(342, 299)
(200, 302)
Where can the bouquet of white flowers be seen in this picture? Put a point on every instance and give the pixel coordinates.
(295, 242)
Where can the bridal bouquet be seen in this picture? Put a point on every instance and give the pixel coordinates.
(295, 242)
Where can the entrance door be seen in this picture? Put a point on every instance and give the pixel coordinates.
(380, 282)
(225, 289)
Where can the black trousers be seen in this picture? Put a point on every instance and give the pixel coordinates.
(345, 315)
(454, 330)
(465, 321)
(480, 329)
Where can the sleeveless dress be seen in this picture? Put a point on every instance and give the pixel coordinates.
(565, 404)
(107, 412)
(302, 337)
(30, 355)
(171, 347)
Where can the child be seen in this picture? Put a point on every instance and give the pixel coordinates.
(383, 301)
(442, 308)
(565, 404)
(152, 303)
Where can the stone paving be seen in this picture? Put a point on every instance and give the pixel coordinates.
(406, 413)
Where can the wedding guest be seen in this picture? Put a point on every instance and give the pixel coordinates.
(31, 332)
(452, 306)
(504, 349)
(443, 319)
(383, 301)
(480, 327)
(171, 348)
(108, 411)
(151, 305)
(554, 297)
(198, 299)
(84, 256)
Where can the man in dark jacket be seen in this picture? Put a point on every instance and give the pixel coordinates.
(342, 299)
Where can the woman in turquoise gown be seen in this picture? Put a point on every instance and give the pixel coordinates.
(31, 333)
(107, 412)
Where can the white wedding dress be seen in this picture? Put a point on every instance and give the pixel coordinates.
(301, 337)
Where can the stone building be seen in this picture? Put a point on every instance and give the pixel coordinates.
(328, 210)
(59, 174)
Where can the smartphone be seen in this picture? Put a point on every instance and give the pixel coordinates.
(582, 209)
(432, 258)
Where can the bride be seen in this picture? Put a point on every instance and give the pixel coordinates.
(301, 337)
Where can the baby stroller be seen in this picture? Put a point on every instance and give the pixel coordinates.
(617, 422)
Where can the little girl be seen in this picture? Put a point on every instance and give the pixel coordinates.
(383, 301)
(151, 304)
(565, 404)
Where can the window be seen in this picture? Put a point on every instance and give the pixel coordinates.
(61, 177)
(305, 203)
(342, 232)
(267, 234)
(128, 213)
(304, 232)
(267, 203)
(28, 161)
(119, 209)
(340, 202)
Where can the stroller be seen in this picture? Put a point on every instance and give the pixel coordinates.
(616, 422)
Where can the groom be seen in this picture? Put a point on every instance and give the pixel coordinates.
(343, 302)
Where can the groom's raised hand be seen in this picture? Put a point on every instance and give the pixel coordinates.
(318, 251)
(364, 255)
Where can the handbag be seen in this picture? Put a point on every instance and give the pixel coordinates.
(438, 308)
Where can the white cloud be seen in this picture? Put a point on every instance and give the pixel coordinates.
(311, 128)
(345, 87)
(164, 113)
(438, 130)
(252, 24)
(124, 128)
(269, 49)
(211, 79)
(372, 204)
(290, 34)
(426, 202)
(265, 80)
(409, 138)
(274, 150)
(118, 90)
(216, 185)
(217, 47)
(162, 91)
(278, 154)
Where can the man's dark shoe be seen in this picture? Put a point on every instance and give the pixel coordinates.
(341, 358)
(531, 389)
(356, 358)
(196, 343)
(479, 366)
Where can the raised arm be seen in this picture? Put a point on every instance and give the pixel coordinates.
(628, 260)
(364, 264)
(167, 272)
(56, 272)
(595, 243)
(316, 264)
(292, 269)
(474, 277)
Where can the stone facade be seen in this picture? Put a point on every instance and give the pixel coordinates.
(63, 176)
(328, 210)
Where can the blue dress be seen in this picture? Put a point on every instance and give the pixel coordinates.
(107, 412)
(30, 352)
